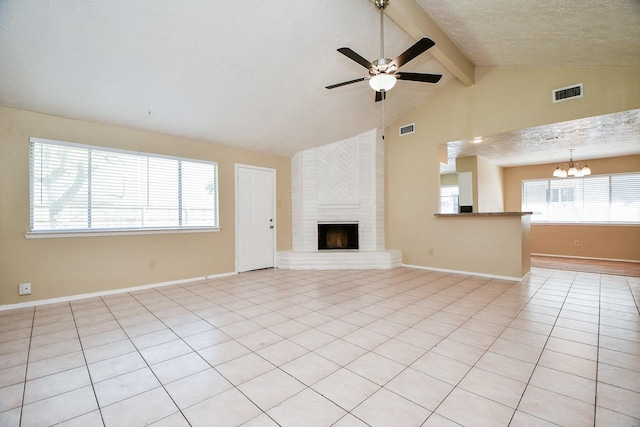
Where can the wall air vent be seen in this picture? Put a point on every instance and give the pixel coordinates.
(407, 129)
(566, 93)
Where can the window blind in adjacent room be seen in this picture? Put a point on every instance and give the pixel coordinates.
(592, 199)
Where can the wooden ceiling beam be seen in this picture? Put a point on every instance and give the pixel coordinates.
(410, 16)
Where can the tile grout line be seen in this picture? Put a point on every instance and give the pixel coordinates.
(350, 412)
(196, 352)
(148, 365)
(595, 402)
(26, 368)
(445, 337)
(543, 348)
(574, 302)
(633, 295)
(86, 364)
(487, 350)
(306, 387)
(380, 387)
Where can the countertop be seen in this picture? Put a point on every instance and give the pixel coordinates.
(472, 214)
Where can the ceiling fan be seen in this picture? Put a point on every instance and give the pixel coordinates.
(383, 72)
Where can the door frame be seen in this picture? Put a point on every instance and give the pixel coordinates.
(237, 168)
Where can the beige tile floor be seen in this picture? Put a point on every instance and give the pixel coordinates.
(398, 347)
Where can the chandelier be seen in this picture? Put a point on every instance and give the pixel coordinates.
(577, 169)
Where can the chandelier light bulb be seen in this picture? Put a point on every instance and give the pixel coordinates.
(577, 169)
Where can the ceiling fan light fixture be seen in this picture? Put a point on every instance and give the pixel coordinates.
(382, 71)
(382, 82)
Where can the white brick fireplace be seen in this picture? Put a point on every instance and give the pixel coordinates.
(339, 183)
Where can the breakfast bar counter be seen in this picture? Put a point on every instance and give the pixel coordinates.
(493, 243)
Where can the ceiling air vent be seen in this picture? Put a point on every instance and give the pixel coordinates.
(566, 93)
(407, 129)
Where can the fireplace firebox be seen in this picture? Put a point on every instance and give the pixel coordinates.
(338, 236)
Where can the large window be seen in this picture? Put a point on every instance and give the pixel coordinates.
(82, 188)
(592, 199)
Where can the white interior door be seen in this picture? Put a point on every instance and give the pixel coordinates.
(256, 222)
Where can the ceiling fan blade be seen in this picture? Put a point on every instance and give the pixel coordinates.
(355, 57)
(419, 77)
(380, 96)
(346, 83)
(419, 47)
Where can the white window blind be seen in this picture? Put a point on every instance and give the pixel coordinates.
(592, 199)
(78, 187)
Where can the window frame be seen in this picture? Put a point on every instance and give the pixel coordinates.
(562, 199)
(454, 198)
(126, 230)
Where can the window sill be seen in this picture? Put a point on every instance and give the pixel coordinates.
(117, 232)
(590, 224)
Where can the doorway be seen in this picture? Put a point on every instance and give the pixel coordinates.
(255, 218)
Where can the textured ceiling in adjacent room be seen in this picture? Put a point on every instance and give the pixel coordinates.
(617, 134)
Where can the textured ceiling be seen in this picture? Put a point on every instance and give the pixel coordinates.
(251, 74)
(542, 32)
(616, 134)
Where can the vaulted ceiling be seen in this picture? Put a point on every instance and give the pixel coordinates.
(252, 74)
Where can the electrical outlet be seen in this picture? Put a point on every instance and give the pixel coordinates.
(152, 263)
(430, 251)
(576, 243)
(24, 289)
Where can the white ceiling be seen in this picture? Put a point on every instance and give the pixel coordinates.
(251, 74)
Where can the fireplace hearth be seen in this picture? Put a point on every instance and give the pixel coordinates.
(338, 236)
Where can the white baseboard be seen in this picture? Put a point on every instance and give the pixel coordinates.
(469, 273)
(109, 292)
(588, 258)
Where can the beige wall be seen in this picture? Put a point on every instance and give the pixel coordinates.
(487, 183)
(492, 245)
(503, 99)
(602, 242)
(449, 179)
(489, 186)
(594, 241)
(67, 266)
